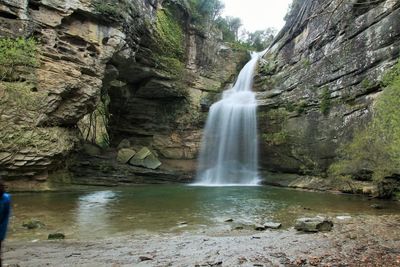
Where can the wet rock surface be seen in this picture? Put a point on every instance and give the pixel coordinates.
(360, 241)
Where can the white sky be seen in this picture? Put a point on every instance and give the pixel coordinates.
(257, 14)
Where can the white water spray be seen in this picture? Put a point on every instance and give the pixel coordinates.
(229, 151)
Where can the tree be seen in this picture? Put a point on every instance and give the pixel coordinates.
(260, 39)
(234, 24)
(205, 11)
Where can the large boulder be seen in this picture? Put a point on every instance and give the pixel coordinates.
(145, 158)
(125, 155)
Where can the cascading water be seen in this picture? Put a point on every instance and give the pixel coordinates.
(229, 151)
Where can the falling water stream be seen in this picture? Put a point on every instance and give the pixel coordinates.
(229, 151)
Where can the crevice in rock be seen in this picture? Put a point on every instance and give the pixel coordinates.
(34, 5)
(7, 15)
(363, 6)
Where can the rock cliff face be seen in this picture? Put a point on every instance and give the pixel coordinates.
(152, 70)
(321, 78)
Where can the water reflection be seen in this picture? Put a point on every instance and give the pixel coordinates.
(159, 208)
(94, 212)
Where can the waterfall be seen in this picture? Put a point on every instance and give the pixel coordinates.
(229, 149)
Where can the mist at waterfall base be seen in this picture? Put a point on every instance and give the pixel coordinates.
(229, 150)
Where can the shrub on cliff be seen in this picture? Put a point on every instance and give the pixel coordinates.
(376, 147)
(16, 56)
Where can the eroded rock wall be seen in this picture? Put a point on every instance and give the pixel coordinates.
(321, 78)
(88, 49)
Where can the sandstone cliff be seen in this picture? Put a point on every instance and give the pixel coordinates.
(140, 61)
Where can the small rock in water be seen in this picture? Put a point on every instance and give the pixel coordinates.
(33, 224)
(315, 224)
(239, 228)
(56, 236)
(183, 223)
(272, 225)
(229, 220)
(259, 227)
(377, 206)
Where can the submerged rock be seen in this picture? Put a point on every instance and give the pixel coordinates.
(56, 236)
(33, 224)
(315, 224)
(377, 206)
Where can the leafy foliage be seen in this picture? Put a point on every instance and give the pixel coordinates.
(261, 39)
(205, 11)
(377, 146)
(16, 55)
(229, 27)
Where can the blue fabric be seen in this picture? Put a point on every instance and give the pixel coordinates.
(4, 214)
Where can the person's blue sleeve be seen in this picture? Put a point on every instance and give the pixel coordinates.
(5, 215)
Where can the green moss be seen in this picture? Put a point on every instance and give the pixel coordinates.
(301, 107)
(325, 101)
(276, 139)
(392, 75)
(377, 145)
(280, 114)
(280, 135)
(366, 83)
(170, 35)
(290, 107)
(111, 10)
(172, 65)
(306, 63)
(22, 96)
(17, 56)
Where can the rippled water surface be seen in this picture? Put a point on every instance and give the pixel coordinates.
(101, 213)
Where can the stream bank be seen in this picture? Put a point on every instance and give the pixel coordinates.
(360, 241)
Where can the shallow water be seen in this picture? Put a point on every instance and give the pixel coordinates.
(107, 212)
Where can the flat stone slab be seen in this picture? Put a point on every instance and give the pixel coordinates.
(145, 158)
(151, 162)
(125, 154)
(142, 154)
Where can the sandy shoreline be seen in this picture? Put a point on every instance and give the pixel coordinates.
(360, 241)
